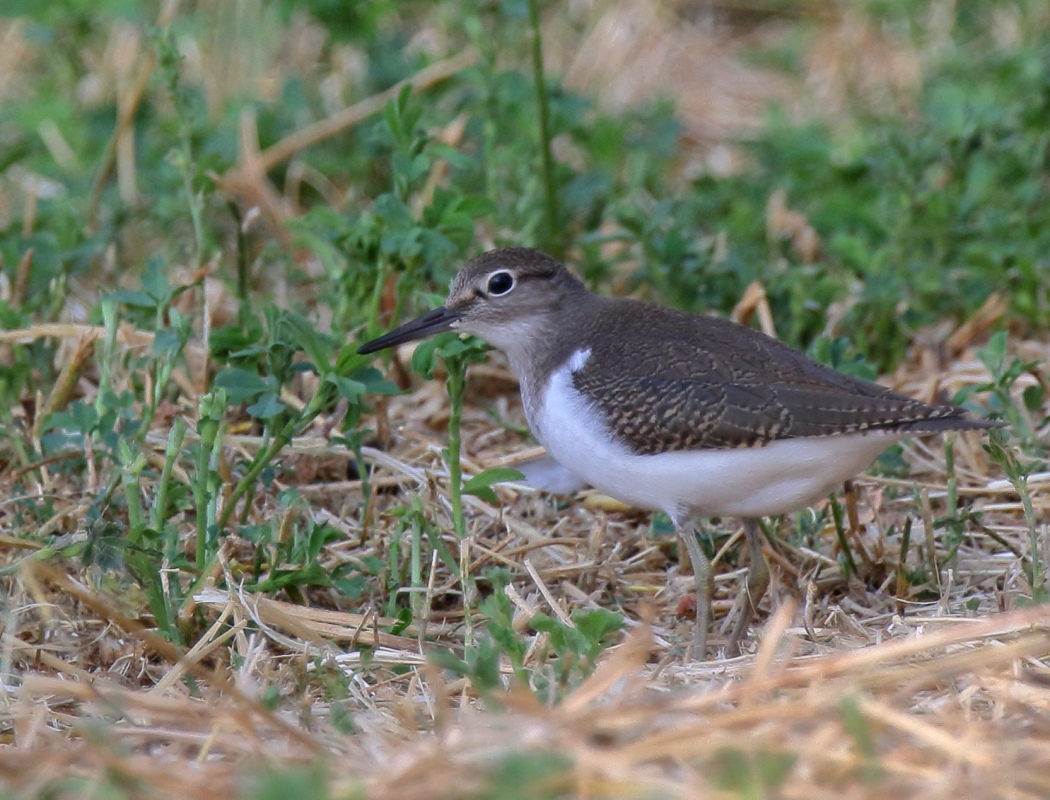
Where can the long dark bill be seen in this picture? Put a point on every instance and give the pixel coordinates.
(436, 321)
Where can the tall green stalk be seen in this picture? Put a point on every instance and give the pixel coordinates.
(456, 385)
(1017, 473)
(415, 567)
(132, 464)
(555, 243)
(211, 408)
(158, 514)
(840, 532)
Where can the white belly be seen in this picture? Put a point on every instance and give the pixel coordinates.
(783, 476)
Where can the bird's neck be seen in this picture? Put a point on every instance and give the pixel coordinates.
(537, 350)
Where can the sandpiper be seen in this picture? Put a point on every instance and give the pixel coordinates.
(665, 410)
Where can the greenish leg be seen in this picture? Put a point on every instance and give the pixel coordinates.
(702, 580)
(756, 586)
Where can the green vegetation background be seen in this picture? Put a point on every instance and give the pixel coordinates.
(921, 217)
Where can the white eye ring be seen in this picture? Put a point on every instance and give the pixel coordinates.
(500, 283)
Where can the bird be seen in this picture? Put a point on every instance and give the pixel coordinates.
(691, 415)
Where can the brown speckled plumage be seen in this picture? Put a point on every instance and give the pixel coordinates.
(665, 380)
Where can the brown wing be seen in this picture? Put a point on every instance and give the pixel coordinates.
(673, 381)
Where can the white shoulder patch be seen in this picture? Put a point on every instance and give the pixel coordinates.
(579, 359)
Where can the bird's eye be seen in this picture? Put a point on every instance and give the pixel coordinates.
(501, 283)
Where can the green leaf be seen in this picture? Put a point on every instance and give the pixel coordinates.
(471, 349)
(373, 381)
(443, 551)
(353, 587)
(81, 417)
(308, 575)
(266, 406)
(1033, 398)
(597, 623)
(241, 385)
(404, 619)
(541, 623)
(132, 298)
(408, 166)
(288, 782)
(311, 342)
(993, 355)
(446, 659)
(402, 242)
(167, 340)
(423, 359)
(250, 352)
(477, 205)
(320, 535)
(155, 282)
(347, 387)
(393, 211)
(480, 483)
(348, 360)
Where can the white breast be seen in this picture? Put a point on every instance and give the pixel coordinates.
(783, 476)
